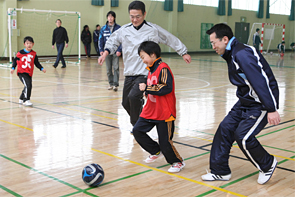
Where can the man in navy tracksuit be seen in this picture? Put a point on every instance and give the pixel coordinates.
(258, 94)
(112, 61)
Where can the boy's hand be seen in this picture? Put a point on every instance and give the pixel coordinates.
(11, 71)
(187, 58)
(52, 46)
(142, 86)
(273, 118)
(44, 70)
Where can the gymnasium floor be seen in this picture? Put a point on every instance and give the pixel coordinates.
(76, 121)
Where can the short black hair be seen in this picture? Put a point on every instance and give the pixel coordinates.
(111, 13)
(58, 20)
(28, 38)
(97, 25)
(221, 30)
(137, 5)
(150, 48)
(257, 29)
(283, 42)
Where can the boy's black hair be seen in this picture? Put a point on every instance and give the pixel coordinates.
(85, 26)
(221, 30)
(137, 5)
(58, 20)
(150, 48)
(97, 25)
(111, 13)
(283, 42)
(257, 29)
(28, 38)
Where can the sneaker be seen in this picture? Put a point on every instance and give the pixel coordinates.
(265, 176)
(54, 66)
(110, 88)
(64, 66)
(215, 177)
(115, 88)
(153, 158)
(28, 103)
(176, 167)
(20, 101)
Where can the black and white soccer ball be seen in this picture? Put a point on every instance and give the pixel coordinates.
(92, 175)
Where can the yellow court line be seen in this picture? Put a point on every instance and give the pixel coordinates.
(16, 125)
(171, 174)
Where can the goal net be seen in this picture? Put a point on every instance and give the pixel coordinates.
(270, 34)
(40, 24)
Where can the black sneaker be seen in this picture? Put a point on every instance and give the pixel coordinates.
(54, 66)
(64, 66)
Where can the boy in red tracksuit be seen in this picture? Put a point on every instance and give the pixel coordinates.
(160, 109)
(25, 60)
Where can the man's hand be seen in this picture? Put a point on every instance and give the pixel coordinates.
(273, 118)
(67, 45)
(187, 58)
(118, 54)
(11, 71)
(52, 46)
(102, 57)
(142, 86)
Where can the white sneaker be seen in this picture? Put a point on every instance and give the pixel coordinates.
(265, 176)
(110, 88)
(27, 103)
(214, 177)
(153, 158)
(20, 101)
(176, 167)
(115, 88)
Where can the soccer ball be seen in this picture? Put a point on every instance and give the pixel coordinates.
(92, 175)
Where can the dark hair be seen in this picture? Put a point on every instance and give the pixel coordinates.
(257, 29)
(85, 26)
(221, 30)
(97, 25)
(28, 38)
(283, 42)
(137, 5)
(111, 13)
(150, 48)
(58, 20)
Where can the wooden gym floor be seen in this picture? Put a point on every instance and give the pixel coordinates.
(76, 121)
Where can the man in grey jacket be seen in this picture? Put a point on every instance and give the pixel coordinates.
(131, 36)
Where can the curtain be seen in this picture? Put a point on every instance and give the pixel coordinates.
(229, 8)
(267, 9)
(260, 9)
(97, 2)
(114, 3)
(168, 5)
(221, 7)
(292, 13)
(180, 6)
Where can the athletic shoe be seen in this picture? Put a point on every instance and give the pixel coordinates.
(28, 103)
(215, 177)
(64, 66)
(176, 167)
(110, 88)
(265, 176)
(115, 88)
(20, 101)
(153, 158)
(54, 66)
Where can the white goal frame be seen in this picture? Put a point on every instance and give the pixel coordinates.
(262, 34)
(10, 12)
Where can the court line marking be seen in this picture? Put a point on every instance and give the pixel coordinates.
(171, 174)
(9, 191)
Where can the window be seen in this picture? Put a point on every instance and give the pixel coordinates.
(245, 5)
(212, 3)
(282, 7)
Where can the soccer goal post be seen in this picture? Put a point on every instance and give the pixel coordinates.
(40, 24)
(271, 35)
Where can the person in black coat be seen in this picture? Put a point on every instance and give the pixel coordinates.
(86, 39)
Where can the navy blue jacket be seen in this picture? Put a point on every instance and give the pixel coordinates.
(96, 35)
(105, 33)
(250, 72)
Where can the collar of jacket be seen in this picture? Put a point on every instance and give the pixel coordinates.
(139, 26)
(157, 61)
(233, 41)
